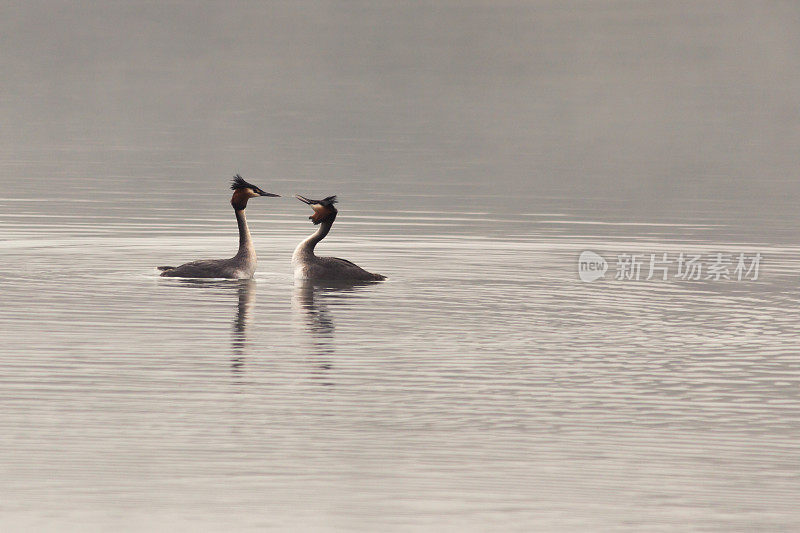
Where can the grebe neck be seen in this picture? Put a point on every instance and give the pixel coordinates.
(306, 248)
(246, 248)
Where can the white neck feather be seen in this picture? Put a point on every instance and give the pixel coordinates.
(246, 248)
(306, 248)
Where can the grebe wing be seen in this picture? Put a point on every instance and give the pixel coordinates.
(339, 259)
(204, 268)
(350, 269)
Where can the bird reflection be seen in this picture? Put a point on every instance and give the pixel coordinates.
(246, 300)
(310, 304)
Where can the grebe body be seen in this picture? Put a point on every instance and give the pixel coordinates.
(308, 266)
(240, 266)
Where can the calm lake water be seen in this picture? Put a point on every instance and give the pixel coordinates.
(477, 149)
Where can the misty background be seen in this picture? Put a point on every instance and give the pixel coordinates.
(624, 110)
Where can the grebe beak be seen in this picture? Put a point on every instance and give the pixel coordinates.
(304, 199)
(262, 193)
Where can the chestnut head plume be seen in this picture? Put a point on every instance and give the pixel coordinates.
(324, 210)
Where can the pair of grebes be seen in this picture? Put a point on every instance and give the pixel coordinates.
(305, 263)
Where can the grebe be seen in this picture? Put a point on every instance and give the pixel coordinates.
(243, 264)
(309, 266)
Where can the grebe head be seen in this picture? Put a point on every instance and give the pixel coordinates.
(324, 210)
(242, 191)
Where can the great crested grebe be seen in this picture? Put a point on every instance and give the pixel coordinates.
(309, 266)
(243, 264)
